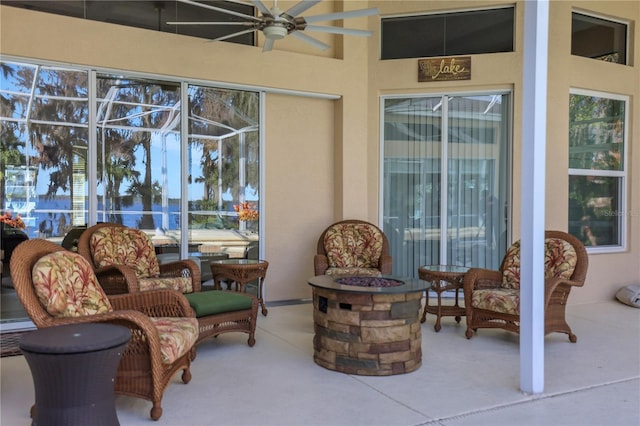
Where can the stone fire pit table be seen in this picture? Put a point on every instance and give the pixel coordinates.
(367, 326)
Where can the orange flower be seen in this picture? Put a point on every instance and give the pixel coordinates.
(14, 222)
(246, 212)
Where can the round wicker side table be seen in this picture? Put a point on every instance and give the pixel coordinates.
(240, 272)
(443, 278)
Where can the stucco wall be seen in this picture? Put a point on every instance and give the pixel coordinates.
(322, 157)
(607, 272)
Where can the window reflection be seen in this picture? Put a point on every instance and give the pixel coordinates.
(45, 152)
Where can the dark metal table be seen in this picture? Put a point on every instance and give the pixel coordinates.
(74, 369)
(443, 278)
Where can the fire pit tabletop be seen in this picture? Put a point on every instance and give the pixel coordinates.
(410, 285)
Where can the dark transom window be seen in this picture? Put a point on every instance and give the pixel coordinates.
(598, 38)
(445, 34)
(151, 15)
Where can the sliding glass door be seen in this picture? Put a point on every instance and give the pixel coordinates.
(179, 160)
(446, 179)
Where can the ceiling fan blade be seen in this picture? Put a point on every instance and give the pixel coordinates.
(298, 8)
(268, 45)
(337, 30)
(342, 15)
(245, 24)
(239, 33)
(308, 39)
(261, 7)
(219, 9)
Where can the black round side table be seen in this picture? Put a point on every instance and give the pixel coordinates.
(74, 369)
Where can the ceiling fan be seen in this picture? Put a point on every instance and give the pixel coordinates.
(276, 24)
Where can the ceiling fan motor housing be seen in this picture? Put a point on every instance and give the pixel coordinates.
(275, 31)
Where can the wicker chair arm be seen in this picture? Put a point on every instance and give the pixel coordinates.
(154, 303)
(174, 269)
(386, 264)
(320, 264)
(552, 284)
(117, 279)
(478, 278)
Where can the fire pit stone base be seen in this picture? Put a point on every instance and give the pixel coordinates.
(367, 334)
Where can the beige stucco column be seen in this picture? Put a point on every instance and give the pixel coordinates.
(351, 137)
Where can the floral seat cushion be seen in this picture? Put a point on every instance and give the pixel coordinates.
(177, 336)
(559, 262)
(67, 287)
(182, 284)
(353, 246)
(504, 300)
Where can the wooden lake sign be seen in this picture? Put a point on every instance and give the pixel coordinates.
(444, 69)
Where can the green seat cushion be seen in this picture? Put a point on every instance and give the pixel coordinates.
(218, 302)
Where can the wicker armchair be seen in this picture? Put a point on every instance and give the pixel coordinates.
(492, 298)
(352, 247)
(125, 261)
(58, 287)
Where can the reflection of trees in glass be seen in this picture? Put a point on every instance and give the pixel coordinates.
(132, 112)
(596, 129)
(119, 166)
(9, 143)
(134, 116)
(596, 142)
(49, 105)
(55, 143)
(223, 123)
(593, 209)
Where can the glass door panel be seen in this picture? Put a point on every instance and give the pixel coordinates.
(453, 142)
(138, 145)
(224, 172)
(43, 174)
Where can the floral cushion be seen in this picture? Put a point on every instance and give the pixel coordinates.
(351, 245)
(177, 336)
(67, 287)
(559, 262)
(366, 272)
(505, 300)
(182, 284)
(125, 246)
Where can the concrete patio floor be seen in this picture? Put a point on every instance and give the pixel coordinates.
(461, 382)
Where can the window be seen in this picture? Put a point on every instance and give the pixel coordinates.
(44, 120)
(446, 34)
(151, 15)
(445, 180)
(138, 178)
(597, 168)
(598, 38)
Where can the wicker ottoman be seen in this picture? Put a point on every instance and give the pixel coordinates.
(220, 311)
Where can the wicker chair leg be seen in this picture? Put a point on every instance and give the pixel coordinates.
(186, 375)
(156, 411)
